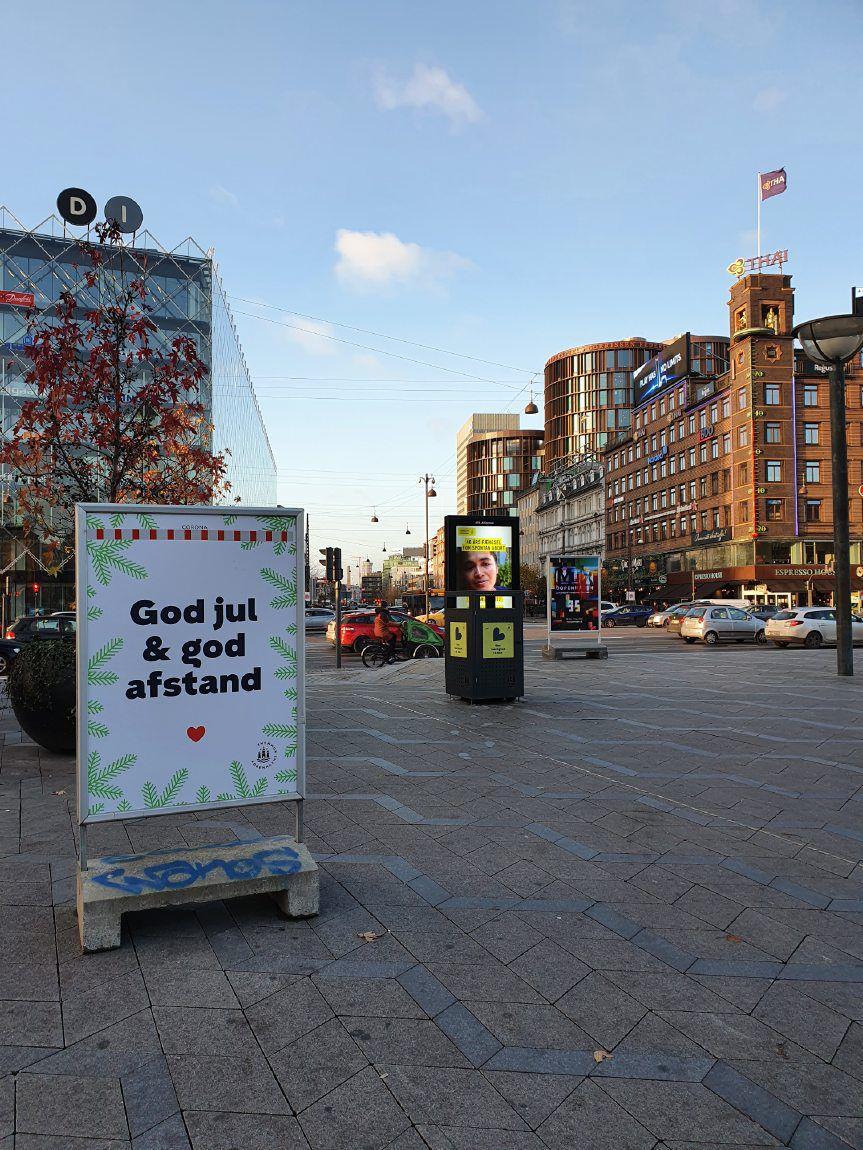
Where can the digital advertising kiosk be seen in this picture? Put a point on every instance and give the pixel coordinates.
(484, 610)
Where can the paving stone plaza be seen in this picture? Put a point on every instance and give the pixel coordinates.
(625, 914)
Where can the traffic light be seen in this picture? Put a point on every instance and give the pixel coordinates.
(35, 588)
(333, 564)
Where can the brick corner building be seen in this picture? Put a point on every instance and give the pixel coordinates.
(723, 485)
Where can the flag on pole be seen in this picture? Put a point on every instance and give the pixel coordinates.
(772, 183)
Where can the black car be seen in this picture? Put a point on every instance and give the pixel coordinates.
(59, 625)
(8, 650)
(628, 615)
(764, 611)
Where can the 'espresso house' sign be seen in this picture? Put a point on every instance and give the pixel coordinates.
(190, 658)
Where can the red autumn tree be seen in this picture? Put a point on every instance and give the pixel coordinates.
(117, 415)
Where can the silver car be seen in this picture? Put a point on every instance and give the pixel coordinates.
(712, 625)
(317, 618)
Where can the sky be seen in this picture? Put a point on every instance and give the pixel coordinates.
(494, 180)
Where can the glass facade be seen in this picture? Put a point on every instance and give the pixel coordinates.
(186, 297)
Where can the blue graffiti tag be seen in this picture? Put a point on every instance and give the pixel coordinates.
(178, 873)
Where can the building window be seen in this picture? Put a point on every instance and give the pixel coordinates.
(810, 433)
(742, 474)
(743, 512)
(813, 472)
(741, 399)
(726, 407)
(713, 413)
(692, 425)
(772, 433)
(702, 453)
(810, 395)
(774, 510)
(742, 436)
(702, 486)
(813, 510)
(692, 457)
(702, 418)
(773, 471)
(771, 394)
(726, 443)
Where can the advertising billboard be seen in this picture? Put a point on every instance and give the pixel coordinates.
(663, 371)
(574, 593)
(481, 553)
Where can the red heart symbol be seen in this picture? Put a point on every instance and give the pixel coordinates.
(196, 733)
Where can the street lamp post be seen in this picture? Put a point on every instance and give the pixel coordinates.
(832, 341)
(430, 493)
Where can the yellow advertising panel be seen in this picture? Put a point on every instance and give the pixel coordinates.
(482, 538)
(498, 640)
(458, 640)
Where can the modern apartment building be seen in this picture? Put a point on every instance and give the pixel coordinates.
(589, 392)
(479, 423)
(723, 485)
(496, 459)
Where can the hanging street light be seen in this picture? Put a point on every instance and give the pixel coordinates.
(832, 341)
(375, 516)
(530, 407)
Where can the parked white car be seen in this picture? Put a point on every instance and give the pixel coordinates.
(712, 625)
(810, 626)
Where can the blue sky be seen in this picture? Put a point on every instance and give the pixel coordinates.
(495, 178)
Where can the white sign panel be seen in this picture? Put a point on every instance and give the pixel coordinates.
(190, 658)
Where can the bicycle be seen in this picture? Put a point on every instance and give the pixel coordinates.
(377, 654)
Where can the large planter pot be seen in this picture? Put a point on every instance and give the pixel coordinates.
(41, 689)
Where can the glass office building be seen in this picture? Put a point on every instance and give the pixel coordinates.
(186, 296)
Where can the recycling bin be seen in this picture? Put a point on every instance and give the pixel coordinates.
(484, 647)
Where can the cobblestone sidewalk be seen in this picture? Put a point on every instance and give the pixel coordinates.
(626, 913)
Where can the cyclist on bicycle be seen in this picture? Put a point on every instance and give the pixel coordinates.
(387, 631)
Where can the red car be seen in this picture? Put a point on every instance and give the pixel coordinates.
(358, 629)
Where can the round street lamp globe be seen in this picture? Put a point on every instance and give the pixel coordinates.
(832, 339)
(531, 408)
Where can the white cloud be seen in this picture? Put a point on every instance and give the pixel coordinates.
(769, 99)
(429, 89)
(310, 335)
(370, 261)
(221, 196)
(368, 362)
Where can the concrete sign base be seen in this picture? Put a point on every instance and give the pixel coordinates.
(595, 651)
(183, 875)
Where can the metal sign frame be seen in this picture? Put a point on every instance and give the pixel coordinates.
(297, 794)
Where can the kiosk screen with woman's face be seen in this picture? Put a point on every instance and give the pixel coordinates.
(483, 557)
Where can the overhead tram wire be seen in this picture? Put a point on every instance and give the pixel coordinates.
(378, 335)
(364, 346)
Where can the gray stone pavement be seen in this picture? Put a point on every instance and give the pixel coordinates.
(625, 913)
